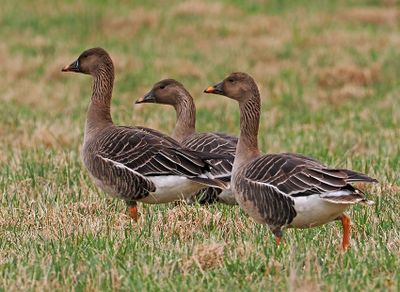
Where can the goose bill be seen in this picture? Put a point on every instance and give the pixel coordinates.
(74, 67)
(217, 89)
(147, 98)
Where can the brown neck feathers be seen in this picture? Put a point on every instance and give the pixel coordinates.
(185, 116)
(99, 115)
(249, 124)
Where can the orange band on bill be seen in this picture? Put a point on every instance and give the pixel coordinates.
(140, 99)
(65, 68)
(209, 89)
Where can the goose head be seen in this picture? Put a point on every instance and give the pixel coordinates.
(167, 91)
(237, 85)
(90, 62)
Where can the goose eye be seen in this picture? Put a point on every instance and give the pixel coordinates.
(162, 86)
(231, 80)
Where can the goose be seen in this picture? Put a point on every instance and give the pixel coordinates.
(284, 190)
(173, 93)
(136, 164)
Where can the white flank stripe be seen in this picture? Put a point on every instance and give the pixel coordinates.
(336, 194)
(269, 185)
(120, 165)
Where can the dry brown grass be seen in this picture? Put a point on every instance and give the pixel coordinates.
(128, 26)
(184, 222)
(205, 257)
(340, 76)
(51, 135)
(377, 16)
(198, 8)
(305, 283)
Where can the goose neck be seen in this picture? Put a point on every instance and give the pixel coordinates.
(99, 112)
(185, 117)
(247, 147)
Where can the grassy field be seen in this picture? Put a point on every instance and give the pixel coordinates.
(329, 75)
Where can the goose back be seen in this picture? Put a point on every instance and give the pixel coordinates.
(214, 143)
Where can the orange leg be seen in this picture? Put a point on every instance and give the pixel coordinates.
(133, 212)
(346, 231)
(278, 235)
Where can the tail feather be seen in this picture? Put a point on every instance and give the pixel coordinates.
(349, 195)
(211, 182)
(354, 176)
(348, 200)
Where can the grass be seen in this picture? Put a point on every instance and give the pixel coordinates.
(328, 72)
